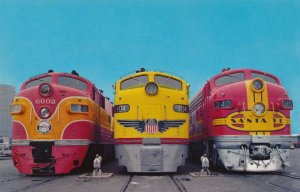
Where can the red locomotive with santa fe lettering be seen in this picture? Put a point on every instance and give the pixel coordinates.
(241, 120)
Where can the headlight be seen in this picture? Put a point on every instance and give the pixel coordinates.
(259, 109)
(223, 104)
(287, 104)
(44, 127)
(121, 108)
(45, 89)
(257, 85)
(151, 88)
(14, 109)
(44, 112)
(79, 108)
(181, 108)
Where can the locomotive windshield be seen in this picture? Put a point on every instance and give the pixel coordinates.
(134, 81)
(230, 78)
(71, 82)
(168, 82)
(264, 77)
(39, 81)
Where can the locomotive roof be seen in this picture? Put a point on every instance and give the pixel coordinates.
(138, 73)
(228, 71)
(56, 74)
(246, 71)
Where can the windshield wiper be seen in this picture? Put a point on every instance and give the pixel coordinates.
(262, 75)
(230, 75)
(132, 77)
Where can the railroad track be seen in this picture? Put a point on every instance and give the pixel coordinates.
(125, 186)
(274, 183)
(269, 183)
(178, 183)
(22, 183)
(12, 178)
(170, 179)
(287, 175)
(35, 183)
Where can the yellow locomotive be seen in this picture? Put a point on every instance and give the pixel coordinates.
(151, 122)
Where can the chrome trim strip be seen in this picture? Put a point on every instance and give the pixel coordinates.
(20, 142)
(65, 142)
(72, 142)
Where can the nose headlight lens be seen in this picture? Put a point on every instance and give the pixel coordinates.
(44, 112)
(45, 89)
(259, 109)
(151, 88)
(257, 85)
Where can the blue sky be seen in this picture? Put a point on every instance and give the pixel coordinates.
(103, 40)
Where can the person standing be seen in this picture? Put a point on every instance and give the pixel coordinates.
(205, 164)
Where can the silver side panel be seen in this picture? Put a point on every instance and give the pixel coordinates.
(235, 154)
(151, 157)
(235, 141)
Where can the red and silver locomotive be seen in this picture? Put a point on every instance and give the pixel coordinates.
(241, 119)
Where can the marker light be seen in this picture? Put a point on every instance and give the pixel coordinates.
(181, 108)
(288, 104)
(223, 104)
(79, 108)
(15, 109)
(121, 108)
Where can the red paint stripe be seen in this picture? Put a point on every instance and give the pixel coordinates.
(174, 141)
(129, 141)
(140, 141)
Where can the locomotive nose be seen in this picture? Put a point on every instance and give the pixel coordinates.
(152, 111)
(45, 101)
(257, 97)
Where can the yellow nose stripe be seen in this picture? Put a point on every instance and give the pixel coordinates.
(256, 97)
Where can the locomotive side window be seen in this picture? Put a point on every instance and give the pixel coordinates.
(134, 82)
(39, 81)
(230, 78)
(71, 82)
(264, 77)
(168, 82)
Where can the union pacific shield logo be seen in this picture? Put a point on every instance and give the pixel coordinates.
(151, 125)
